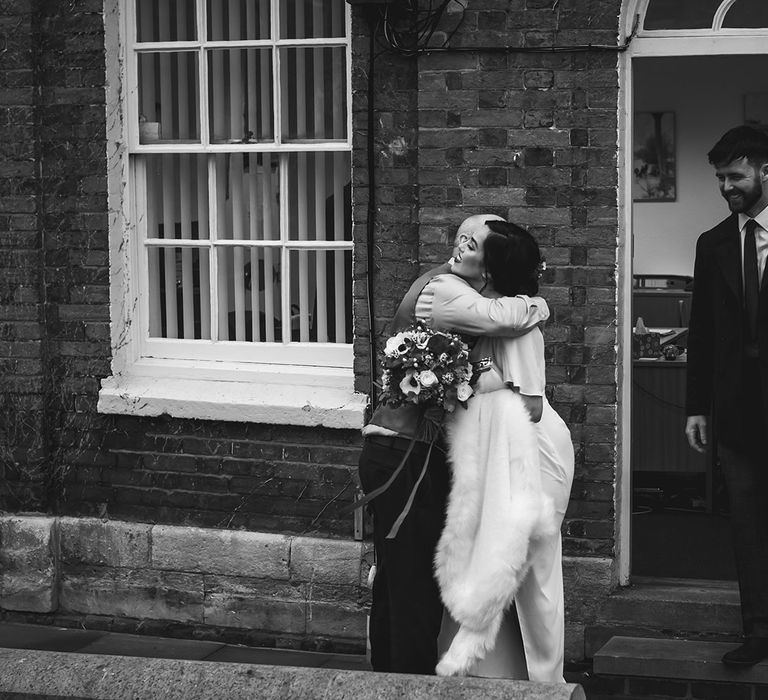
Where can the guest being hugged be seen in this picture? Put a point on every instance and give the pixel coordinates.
(512, 461)
(406, 610)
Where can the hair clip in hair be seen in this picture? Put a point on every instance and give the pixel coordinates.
(541, 268)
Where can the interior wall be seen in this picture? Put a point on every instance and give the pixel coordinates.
(707, 96)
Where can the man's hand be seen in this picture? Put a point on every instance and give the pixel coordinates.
(696, 432)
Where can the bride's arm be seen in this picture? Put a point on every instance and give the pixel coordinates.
(456, 305)
(521, 366)
(534, 405)
(491, 380)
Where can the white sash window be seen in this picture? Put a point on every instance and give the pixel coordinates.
(235, 246)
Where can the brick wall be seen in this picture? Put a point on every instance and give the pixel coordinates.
(530, 136)
(395, 146)
(56, 452)
(224, 475)
(22, 405)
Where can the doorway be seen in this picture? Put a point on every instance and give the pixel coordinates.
(681, 106)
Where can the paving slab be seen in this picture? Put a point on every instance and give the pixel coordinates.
(349, 662)
(271, 657)
(52, 675)
(153, 647)
(46, 638)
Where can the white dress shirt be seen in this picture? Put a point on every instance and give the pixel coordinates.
(761, 239)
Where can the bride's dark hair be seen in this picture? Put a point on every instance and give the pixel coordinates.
(512, 259)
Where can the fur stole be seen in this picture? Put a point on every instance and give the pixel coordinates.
(495, 508)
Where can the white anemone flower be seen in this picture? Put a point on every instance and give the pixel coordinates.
(410, 384)
(397, 345)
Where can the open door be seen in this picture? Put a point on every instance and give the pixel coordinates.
(693, 71)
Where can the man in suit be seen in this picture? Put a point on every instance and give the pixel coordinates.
(728, 367)
(406, 609)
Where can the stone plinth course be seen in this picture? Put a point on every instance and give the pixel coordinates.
(31, 674)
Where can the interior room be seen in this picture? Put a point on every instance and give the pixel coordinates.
(682, 105)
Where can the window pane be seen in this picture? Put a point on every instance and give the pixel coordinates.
(179, 292)
(305, 19)
(236, 20)
(240, 95)
(165, 20)
(176, 196)
(319, 203)
(321, 296)
(748, 14)
(247, 196)
(680, 14)
(169, 103)
(249, 294)
(314, 95)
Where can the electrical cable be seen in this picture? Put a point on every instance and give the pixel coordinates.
(425, 23)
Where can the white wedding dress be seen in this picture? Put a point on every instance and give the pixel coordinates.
(499, 561)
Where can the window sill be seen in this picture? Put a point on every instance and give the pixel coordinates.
(245, 401)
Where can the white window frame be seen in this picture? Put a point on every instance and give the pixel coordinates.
(651, 43)
(281, 382)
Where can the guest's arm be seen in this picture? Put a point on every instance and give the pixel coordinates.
(698, 400)
(458, 306)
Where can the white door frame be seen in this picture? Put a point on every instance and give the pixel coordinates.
(698, 42)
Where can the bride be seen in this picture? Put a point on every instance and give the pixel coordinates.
(499, 559)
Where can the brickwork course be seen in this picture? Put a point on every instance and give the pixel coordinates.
(529, 136)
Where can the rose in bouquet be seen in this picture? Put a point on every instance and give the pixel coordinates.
(426, 367)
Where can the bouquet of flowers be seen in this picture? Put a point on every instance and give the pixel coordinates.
(425, 367)
(428, 373)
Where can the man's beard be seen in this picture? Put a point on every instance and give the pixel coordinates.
(745, 200)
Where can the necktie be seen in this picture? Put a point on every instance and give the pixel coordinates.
(751, 279)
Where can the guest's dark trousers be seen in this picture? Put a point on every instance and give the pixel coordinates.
(745, 469)
(406, 610)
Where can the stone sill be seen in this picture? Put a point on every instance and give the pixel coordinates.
(294, 403)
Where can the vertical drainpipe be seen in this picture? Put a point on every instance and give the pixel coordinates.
(371, 219)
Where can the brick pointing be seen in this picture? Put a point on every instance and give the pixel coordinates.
(532, 137)
(528, 136)
(56, 451)
(22, 413)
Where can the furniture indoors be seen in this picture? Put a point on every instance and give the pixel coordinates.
(658, 385)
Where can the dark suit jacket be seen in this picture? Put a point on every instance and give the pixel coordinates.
(716, 385)
(405, 420)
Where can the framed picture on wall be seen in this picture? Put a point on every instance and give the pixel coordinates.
(654, 162)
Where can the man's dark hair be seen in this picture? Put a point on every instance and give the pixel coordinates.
(512, 259)
(740, 142)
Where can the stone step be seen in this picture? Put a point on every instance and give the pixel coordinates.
(676, 604)
(668, 608)
(596, 636)
(674, 659)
